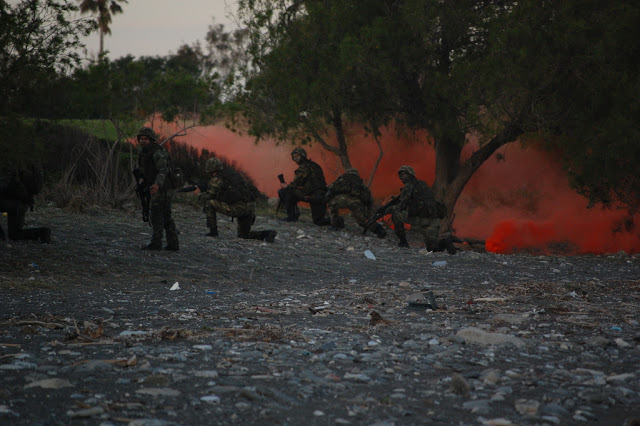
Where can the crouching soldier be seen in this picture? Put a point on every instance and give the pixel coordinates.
(417, 206)
(18, 186)
(308, 186)
(231, 195)
(350, 192)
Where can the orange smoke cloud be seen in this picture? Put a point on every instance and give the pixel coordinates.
(523, 203)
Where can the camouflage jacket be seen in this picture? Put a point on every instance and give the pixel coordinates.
(21, 183)
(229, 187)
(310, 178)
(154, 162)
(351, 185)
(417, 198)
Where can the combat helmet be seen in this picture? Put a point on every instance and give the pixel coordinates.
(213, 165)
(300, 151)
(407, 169)
(147, 131)
(352, 171)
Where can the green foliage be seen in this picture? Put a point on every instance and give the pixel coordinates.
(39, 39)
(495, 70)
(20, 144)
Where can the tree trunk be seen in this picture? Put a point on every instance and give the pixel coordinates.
(101, 51)
(341, 150)
(452, 176)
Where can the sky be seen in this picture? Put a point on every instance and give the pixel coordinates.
(160, 27)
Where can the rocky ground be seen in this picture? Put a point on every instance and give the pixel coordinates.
(311, 329)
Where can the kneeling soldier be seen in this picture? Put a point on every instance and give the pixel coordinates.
(417, 206)
(350, 192)
(230, 195)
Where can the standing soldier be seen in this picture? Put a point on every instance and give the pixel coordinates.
(309, 186)
(230, 194)
(155, 168)
(350, 192)
(417, 206)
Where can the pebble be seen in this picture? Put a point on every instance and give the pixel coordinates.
(252, 352)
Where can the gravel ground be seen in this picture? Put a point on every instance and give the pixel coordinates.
(311, 329)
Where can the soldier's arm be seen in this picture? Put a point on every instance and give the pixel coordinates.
(215, 186)
(301, 175)
(405, 196)
(161, 161)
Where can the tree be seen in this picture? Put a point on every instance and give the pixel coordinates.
(495, 71)
(38, 40)
(306, 80)
(105, 9)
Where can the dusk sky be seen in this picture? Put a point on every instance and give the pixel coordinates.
(160, 27)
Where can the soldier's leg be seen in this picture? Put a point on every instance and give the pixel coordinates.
(336, 203)
(244, 226)
(212, 221)
(319, 213)
(362, 214)
(290, 201)
(399, 218)
(156, 218)
(244, 230)
(15, 221)
(334, 213)
(430, 229)
(170, 227)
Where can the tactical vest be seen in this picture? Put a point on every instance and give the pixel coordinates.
(422, 201)
(235, 189)
(148, 166)
(316, 183)
(355, 187)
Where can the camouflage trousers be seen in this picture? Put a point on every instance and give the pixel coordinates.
(427, 227)
(345, 201)
(290, 198)
(162, 221)
(244, 213)
(16, 211)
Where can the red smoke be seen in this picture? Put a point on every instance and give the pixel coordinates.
(519, 200)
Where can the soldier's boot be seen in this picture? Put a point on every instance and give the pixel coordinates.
(447, 244)
(401, 234)
(380, 231)
(268, 236)
(172, 237)
(213, 232)
(292, 211)
(156, 240)
(44, 235)
(152, 246)
(338, 223)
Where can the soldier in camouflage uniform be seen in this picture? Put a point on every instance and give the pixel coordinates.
(309, 186)
(155, 164)
(18, 186)
(350, 192)
(417, 206)
(230, 195)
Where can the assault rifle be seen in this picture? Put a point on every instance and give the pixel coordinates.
(202, 186)
(381, 212)
(143, 193)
